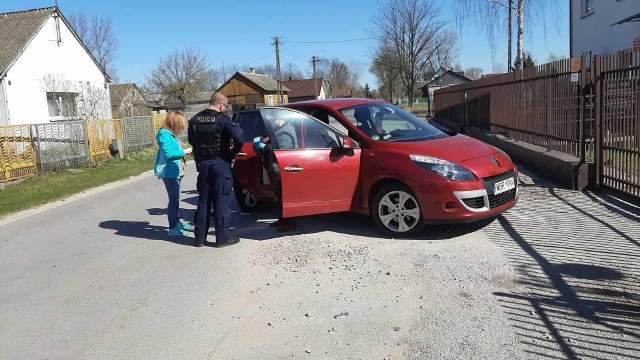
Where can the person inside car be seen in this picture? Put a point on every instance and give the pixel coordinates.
(263, 148)
(285, 134)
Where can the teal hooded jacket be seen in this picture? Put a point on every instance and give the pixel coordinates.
(169, 155)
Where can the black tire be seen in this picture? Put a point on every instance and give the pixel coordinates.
(246, 202)
(396, 211)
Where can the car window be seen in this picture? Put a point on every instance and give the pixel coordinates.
(303, 131)
(251, 123)
(318, 135)
(285, 127)
(326, 118)
(386, 122)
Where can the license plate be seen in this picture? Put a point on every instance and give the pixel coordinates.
(504, 185)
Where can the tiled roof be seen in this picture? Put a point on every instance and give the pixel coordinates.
(16, 31)
(304, 87)
(265, 82)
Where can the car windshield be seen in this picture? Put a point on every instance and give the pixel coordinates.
(386, 122)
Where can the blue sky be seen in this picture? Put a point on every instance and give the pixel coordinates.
(241, 32)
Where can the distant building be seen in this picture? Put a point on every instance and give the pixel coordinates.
(46, 72)
(441, 79)
(247, 90)
(603, 27)
(307, 89)
(159, 103)
(127, 100)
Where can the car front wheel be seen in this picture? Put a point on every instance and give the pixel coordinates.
(246, 202)
(396, 211)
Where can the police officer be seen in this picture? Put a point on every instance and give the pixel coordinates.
(210, 133)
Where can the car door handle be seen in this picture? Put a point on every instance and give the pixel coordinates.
(241, 154)
(293, 168)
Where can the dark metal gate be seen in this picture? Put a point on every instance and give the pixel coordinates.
(617, 86)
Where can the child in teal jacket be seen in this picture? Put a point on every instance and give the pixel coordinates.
(169, 167)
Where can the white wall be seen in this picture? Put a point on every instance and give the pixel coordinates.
(593, 33)
(4, 119)
(69, 61)
(323, 93)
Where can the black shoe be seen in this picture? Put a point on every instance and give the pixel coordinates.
(198, 243)
(231, 241)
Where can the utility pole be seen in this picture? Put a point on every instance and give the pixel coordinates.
(314, 60)
(509, 67)
(278, 80)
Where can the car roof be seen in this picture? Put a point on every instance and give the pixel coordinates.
(334, 103)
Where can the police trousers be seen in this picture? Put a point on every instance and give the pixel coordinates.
(214, 187)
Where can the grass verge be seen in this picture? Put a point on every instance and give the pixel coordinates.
(56, 185)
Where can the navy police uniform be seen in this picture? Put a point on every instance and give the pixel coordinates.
(210, 133)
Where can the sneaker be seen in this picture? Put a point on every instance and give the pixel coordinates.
(176, 231)
(183, 225)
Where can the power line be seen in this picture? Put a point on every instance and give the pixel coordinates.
(330, 42)
(256, 60)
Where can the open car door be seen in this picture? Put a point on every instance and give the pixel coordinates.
(319, 173)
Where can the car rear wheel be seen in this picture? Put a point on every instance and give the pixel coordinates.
(246, 202)
(396, 211)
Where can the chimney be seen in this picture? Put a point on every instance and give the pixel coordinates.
(252, 70)
(289, 78)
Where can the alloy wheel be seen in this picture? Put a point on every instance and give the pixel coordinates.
(399, 212)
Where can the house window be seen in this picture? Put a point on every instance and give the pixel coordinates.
(270, 100)
(61, 104)
(588, 7)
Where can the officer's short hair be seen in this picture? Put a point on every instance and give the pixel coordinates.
(218, 98)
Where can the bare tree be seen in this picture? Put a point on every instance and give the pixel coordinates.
(220, 75)
(473, 73)
(385, 67)
(290, 70)
(447, 52)
(95, 102)
(182, 74)
(97, 35)
(267, 69)
(491, 14)
(413, 30)
(339, 74)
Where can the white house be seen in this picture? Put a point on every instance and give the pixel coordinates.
(604, 27)
(46, 72)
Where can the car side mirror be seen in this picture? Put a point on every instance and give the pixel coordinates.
(347, 143)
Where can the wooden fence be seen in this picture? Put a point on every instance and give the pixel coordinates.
(585, 107)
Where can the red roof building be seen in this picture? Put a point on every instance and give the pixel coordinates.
(307, 89)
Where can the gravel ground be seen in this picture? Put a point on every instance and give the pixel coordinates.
(555, 277)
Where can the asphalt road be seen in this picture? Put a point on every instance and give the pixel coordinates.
(97, 277)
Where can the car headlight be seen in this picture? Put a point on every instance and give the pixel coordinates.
(444, 168)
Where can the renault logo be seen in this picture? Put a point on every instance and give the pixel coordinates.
(495, 161)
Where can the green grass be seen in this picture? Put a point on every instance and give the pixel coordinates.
(50, 186)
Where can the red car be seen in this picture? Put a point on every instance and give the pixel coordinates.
(371, 157)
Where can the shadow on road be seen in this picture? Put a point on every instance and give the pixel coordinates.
(143, 230)
(577, 260)
(256, 227)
